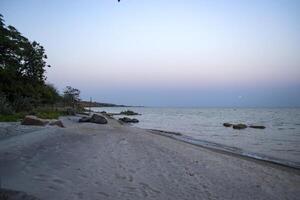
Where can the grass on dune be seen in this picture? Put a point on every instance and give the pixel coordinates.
(41, 113)
(12, 117)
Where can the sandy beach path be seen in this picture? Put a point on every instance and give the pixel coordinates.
(90, 161)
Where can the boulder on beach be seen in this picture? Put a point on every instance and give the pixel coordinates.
(129, 120)
(239, 126)
(227, 125)
(57, 123)
(257, 127)
(85, 119)
(128, 112)
(97, 119)
(34, 121)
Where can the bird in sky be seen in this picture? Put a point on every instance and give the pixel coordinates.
(119, 0)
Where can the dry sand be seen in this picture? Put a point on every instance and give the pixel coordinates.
(113, 161)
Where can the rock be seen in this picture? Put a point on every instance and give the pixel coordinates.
(134, 120)
(128, 120)
(128, 112)
(34, 121)
(227, 125)
(258, 127)
(83, 113)
(57, 123)
(98, 119)
(6, 194)
(85, 119)
(239, 126)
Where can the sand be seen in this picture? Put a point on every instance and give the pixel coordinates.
(114, 161)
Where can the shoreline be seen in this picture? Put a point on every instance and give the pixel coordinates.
(264, 160)
(226, 149)
(278, 142)
(229, 150)
(178, 136)
(115, 161)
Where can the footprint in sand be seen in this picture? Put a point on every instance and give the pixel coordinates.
(59, 181)
(123, 141)
(41, 177)
(103, 194)
(147, 190)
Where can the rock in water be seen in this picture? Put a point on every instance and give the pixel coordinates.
(128, 120)
(98, 119)
(258, 127)
(129, 112)
(57, 123)
(239, 126)
(134, 120)
(34, 121)
(227, 125)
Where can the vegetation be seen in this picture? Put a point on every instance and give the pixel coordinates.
(43, 113)
(22, 71)
(23, 89)
(50, 114)
(11, 117)
(71, 96)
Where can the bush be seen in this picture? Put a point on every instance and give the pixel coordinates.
(49, 114)
(5, 107)
(23, 104)
(12, 117)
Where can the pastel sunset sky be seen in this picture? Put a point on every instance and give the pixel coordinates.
(168, 52)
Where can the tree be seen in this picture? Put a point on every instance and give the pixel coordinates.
(22, 68)
(71, 96)
(50, 95)
(20, 57)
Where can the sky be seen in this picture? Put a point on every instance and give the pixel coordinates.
(224, 53)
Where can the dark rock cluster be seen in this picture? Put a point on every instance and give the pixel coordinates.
(128, 112)
(242, 126)
(128, 120)
(97, 119)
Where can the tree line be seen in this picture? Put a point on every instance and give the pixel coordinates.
(23, 84)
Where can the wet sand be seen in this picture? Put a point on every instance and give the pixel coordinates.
(113, 161)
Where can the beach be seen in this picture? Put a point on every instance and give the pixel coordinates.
(115, 161)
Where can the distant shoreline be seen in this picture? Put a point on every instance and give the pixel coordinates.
(95, 104)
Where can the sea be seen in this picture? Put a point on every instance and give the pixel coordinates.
(279, 142)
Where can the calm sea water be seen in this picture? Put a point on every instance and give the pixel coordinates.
(279, 141)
